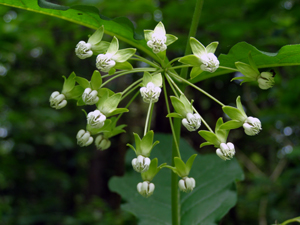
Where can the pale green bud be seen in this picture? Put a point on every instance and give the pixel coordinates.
(84, 138)
(145, 188)
(57, 100)
(187, 184)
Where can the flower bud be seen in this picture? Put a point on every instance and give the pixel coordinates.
(96, 119)
(210, 62)
(192, 121)
(226, 151)
(102, 143)
(104, 62)
(90, 97)
(57, 101)
(141, 164)
(266, 80)
(150, 93)
(252, 126)
(84, 138)
(145, 188)
(83, 50)
(187, 184)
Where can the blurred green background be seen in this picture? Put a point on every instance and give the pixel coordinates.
(45, 178)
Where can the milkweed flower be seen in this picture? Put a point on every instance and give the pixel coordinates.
(96, 119)
(145, 188)
(57, 100)
(266, 80)
(90, 97)
(141, 164)
(150, 93)
(226, 151)
(102, 143)
(252, 126)
(187, 184)
(84, 138)
(192, 121)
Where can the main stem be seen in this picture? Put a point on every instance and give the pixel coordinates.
(177, 122)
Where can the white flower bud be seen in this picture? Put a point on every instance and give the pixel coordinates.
(187, 184)
(192, 121)
(83, 50)
(252, 126)
(84, 138)
(210, 62)
(90, 97)
(104, 62)
(266, 80)
(226, 151)
(102, 143)
(158, 42)
(145, 188)
(150, 93)
(141, 164)
(57, 101)
(96, 119)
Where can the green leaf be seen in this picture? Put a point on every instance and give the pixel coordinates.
(288, 55)
(211, 48)
(232, 124)
(83, 82)
(148, 34)
(124, 54)
(69, 83)
(157, 79)
(190, 162)
(175, 115)
(96, 80)
(247, 70)
(114, 46)
(75, 93)
(118, 111)
(205, 144)
(170, 39)
(214, 194)
(96, 37)
(180, 167)
(195, 71)
(240, 106)
(197, 48)
(122, 66)
(209, 136)
(178, 106)
(191, 60)
(100, 48)
(234, 113)
(88, 16)
(146, 143)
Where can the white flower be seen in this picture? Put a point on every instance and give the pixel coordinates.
(145, 188)
(96, 119)
(192, 121)
(150, 93)
(102, 143)
(252, 126)
(104, 62)
(210, 62)
(141, 164)
(84, 138)
(83, 50)
(187, 184)
(226, 151)
(90, 97)
(266, 80)
(57, 101)
(158, 41)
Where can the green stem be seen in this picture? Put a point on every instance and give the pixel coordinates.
(173, 60)
(136, 84)
(142, 59)
(136, 70)
(297, 219)
(149, 123)
(147, 119)
(172, 86)
(199, 89)
(128, 104)
(228, 68)
(173, 83)
(181, 66)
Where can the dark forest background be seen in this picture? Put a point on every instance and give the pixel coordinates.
(45, 178)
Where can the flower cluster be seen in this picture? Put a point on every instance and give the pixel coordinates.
(101, 122)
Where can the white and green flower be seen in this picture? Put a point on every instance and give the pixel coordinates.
(96, 119)
(157, 39)
(145, 188)
(90, 97)
(84, 138)
(252, 126)
(57, 100)
(266, 80)
(226, 151)
(187, 184)
(114, 58)
(94, 45)
(203, 58)
(102, 143)
(192, 121)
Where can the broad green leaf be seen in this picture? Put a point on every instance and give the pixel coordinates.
(124, 54)
(69, 82)
(96, 37)
(88, 16)
(114, 46)
(181, 169)
(178, 106)
(83, 82)
(170, 39)
(247, 70)
(118, 111)
(197, 47)
(191, 60)
(232, 124)
(288, 55)
(213, 196)
(234, 113)
(211, 48)
(176, 115)
(209, 136)
(75, 93)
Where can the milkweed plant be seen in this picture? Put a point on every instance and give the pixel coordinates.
(160, 74)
